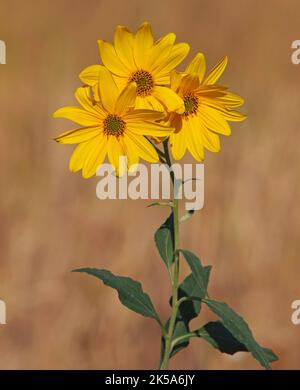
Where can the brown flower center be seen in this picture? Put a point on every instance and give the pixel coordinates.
(114, 125)
(144, 81)
(191, 104)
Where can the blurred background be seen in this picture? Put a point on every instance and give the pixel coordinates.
(51, 221)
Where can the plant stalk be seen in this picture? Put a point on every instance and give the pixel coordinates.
(175, 274)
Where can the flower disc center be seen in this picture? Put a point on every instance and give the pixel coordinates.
(191, 104)
(114, 125)
(144, 81)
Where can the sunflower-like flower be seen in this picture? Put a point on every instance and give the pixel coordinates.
(208, 108)
(136, 57)
(110, 126)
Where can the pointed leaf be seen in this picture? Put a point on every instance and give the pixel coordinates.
(240, 330)
(201, 276)
(223, 340)
(270, 355)
(164, 241)
(220, 338)
(129, 291)
(168, 204)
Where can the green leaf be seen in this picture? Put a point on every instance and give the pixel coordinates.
(188, 309)
(169, 204)
(201, 274)
(186, 312)
(220, 338)
(189, 288)
(164, 240)
(130, 292)
(240, 331)
(270, 355)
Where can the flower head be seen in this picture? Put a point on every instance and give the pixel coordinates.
(136, 57)
(110, 127)
(208, 108)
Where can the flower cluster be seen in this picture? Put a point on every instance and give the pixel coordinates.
(136, 99)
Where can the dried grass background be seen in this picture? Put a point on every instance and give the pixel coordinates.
(52, 222)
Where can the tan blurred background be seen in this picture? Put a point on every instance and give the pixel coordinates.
(52, 222)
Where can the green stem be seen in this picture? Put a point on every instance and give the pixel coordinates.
(161, 154)
(175, 274)
(187, 336)
(163, 330)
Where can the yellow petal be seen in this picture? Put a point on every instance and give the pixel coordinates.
(78, 115)
(216, 72)
(220, 102)
(211, 141)
(228, 115)
(107, 89)
(213, 120)
(176, 121)
(121, 82)
(194, 139)
(90, 75)
(160, 50)
(143, 41)
(189, 83)
(177, 55)
(148, 103)
(168, 39)
(162, 80)
(95, 92)
(111, 60)
(82, 95)
(153, 103)
(212, 91)
(78, 135)
(175, 79)
(142, 103)
(143, 115)
(126, 99)
(178, 144)
(197, 66)
(115, 152)
(231, 100)
(95, 156)
(78, 156)
(142, 146)
(169, 99)
(124, 46)
(130, 151)
(149, 128)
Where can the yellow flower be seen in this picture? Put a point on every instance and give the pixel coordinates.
(110, 127)
(208, 108)
(138, 58)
